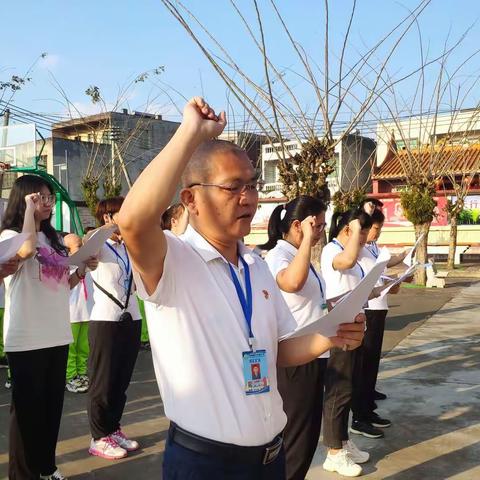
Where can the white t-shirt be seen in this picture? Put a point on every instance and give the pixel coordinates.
(367, 259)
(338, 282)
(81, 300)
(112, 274)
(198, 333)
(306, 304)
(2, 295)
(36, 300)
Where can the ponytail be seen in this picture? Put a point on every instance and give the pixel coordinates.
(275, 230)
(284, 215)
(341, 220)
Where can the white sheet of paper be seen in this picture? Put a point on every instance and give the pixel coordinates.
(345, 310)
(407, 273)
(10, 246)
(92, 246)
(408, 259)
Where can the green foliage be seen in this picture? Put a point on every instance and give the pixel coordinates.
(344, 201)
(14, 84)
(112, 187)
(469, 217)
(314, 164)
(94, 93)
(418, 203)
(89, 190)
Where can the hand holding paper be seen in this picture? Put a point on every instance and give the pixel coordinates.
(92, 246)
(349, 307)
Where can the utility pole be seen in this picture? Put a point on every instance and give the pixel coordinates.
(6, 120)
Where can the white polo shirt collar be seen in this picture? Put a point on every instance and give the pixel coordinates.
(208, 252)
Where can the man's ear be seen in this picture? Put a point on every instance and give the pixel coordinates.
(106, 218)
(187, 196)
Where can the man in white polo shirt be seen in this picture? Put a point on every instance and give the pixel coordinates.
(219, 311)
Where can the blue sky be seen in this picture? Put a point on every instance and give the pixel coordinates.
(107, 43)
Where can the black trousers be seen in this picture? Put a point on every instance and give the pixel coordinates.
(338, 397)
(38, 386)
(301, 389)
(180, 463)
(113, 352)
(367, 363)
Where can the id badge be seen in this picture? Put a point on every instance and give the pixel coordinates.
(324, 308)
(255, 372)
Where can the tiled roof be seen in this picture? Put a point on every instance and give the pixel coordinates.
(447, 160)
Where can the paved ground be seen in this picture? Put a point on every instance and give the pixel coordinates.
(431, 378)
(433, 383)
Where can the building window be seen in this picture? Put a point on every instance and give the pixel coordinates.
(61, 174)
(270, 171)
(409, 142)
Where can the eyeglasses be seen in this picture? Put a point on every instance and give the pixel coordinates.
(235, 188)
(47, 199)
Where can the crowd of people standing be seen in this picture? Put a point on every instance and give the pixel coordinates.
(212, 305)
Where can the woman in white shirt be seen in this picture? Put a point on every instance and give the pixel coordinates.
(342, 273)
(293, 229)
(37, 329)
(367, 358)
(114, 339)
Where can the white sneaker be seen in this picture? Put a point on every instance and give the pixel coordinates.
(342, 464)
(56, 475)
(124, 442)
(75, 385)
(106, 447)
(357, 455)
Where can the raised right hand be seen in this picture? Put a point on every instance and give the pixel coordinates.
(201, 119)
(308, 227)
(355, 225)
(32, 200)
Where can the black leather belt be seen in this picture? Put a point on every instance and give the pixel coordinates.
(263, 454)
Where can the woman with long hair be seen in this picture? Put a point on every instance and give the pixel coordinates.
(37, 329)
(114, 339)
(342, 273)
(293, 229)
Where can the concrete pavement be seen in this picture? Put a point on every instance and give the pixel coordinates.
(432, 379)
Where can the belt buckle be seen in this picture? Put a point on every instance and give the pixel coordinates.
(272, 452)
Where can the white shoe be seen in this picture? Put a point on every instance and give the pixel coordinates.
(56, 475)
(75, 385)
(357, 455)
(124, 442)
(342, 464)
(106, 447)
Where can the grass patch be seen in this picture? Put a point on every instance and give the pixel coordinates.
(412, 285)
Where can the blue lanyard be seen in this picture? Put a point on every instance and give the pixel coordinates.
(374, 250)
(319, 281)
(336, 242)
(126, 264)
(245, 302)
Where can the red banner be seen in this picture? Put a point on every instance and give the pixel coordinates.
(392, 209)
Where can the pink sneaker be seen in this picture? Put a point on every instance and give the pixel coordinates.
(106, 447)
(121, 439)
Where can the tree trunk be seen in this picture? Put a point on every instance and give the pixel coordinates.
(421, 253)
(452, 246)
